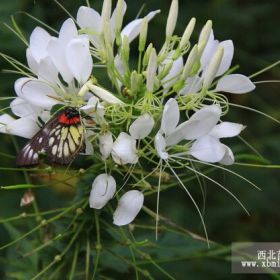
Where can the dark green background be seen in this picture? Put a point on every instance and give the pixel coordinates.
(254, 26)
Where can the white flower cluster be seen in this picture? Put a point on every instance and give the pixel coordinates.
(141, 119)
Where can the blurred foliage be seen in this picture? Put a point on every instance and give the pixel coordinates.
(253, 27)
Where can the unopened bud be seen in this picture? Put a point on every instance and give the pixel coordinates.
(119, 15)
(106, 11)
(147, 54)
(134, 81)
(204, 34)
(213, 68)
(151, 70)
(172, 18)
(143, 34)
(193, 55)
(187, 33)
(125, 48)
(166, 70)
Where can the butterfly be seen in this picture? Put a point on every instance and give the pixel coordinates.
(61, 139)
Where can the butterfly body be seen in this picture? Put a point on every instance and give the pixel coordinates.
(61, 139)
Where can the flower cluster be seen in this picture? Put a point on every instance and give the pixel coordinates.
(160, 114)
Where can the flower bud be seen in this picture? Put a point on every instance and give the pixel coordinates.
(119, 15)
(104, 94)
(135, 81)
(147, 54)
(107, 34)
(204, 34)
(187, 33)
(106, 11)
(192, 58)
(213, 68)
(125, 49)
(143, 34)
(172, 18)
(151, 70)
(166, 70)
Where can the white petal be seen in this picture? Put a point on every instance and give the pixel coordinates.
(68, 31)
(228, 158)
(103, 189)
(160, 146)
(170, 116)
(79, 59)
(189, 130)
(19, 83)
(227, 57)
(124, 149)
(31, 61)
(23, 127)
(39, 40)
(132, 30)
(88, 18)
(106, 144)
(142, 126)
(94, 108)
(226, 129)
(47, 70)
(57, 53)
(129, 206)
(209, 51)
(201, 122)
(22, 108)
(5, 119)
(39, 94)
(120, 65)
(208, 149)
(235, 83)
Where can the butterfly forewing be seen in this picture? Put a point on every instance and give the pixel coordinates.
(61, 139)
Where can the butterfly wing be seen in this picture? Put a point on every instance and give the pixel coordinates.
(60, 141)
(65, 142)
(29, 155)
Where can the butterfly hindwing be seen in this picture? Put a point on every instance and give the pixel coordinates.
(65, 142)
(62, 138)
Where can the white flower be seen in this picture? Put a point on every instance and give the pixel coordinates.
(142, 126)
(128, 207)
(199, 124)
(103, 189)
(48, 57)
(124, 149)
(233, 83)
(90, 20)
